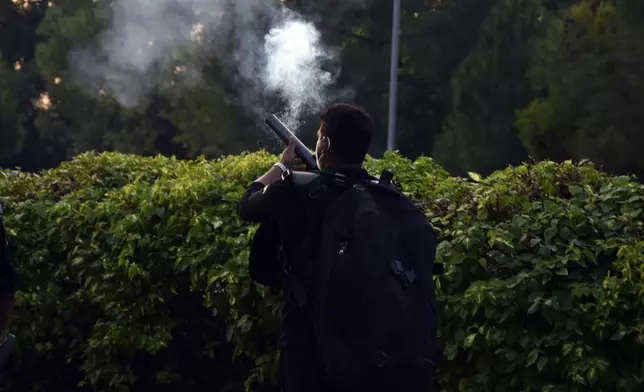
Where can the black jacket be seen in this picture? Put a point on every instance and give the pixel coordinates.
(286, 241)
(288, 220)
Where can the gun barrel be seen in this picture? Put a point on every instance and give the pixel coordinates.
(282, 131)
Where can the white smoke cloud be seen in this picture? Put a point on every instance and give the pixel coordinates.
(266, 47)
(293, 68)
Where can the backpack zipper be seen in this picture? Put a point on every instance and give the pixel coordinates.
(343, 247)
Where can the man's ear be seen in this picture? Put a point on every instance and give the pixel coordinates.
(327, 143)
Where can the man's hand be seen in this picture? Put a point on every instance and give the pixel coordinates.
(288, 156)
(275, 173)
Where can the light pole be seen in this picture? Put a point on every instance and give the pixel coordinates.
(393, 77)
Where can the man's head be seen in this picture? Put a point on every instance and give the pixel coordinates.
(344, 136)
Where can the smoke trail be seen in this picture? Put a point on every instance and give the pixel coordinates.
(150, 46)
(294, 67)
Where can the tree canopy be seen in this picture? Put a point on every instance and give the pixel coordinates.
(482, 84)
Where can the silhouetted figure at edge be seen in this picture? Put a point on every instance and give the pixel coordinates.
(354, 258)
(7, 289)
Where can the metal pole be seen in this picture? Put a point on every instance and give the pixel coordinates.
(393, 77)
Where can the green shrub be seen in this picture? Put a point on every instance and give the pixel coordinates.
(133, 276)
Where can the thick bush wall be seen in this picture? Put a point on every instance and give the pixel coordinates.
(133, 276)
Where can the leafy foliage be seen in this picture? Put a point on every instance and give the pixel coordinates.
(591, 68)
(133, 276)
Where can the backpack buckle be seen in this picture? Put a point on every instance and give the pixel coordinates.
(359, 187)
(340, 179)
(406, 276)
(381, 359)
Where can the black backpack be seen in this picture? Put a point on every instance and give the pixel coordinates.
(373, 297)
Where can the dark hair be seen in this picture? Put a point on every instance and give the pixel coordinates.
(349, 129)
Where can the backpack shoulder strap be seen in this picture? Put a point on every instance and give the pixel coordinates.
(311, 184)
(303, 179)
(307, 186)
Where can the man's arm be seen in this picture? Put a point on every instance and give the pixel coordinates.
(273, 175)
(261, 203)
(262, 200)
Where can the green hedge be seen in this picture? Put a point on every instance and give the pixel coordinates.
(133, 276)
